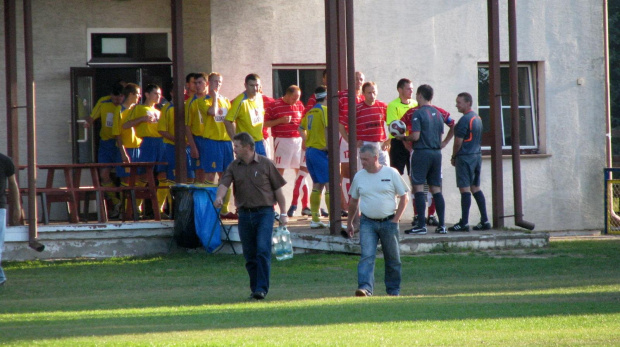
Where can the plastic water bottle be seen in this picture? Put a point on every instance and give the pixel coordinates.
(282, 247)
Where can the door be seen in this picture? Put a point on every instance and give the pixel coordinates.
(82, 102)
(90, 84)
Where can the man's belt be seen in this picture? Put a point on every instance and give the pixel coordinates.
(252, 209)
(379, 219)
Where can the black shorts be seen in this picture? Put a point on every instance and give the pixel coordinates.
(426, 167)
(468, 170)
(400, 156)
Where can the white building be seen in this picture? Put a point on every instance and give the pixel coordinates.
(441, 43)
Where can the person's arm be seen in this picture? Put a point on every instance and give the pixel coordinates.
(121, 148)
(166, 135)
(445, 141)
(282, 205)
(230, 128)
(219, 196)
(215, 107)
(193, 150)
(14, 201)
(352, 212)
(302, 134)
(413, 136)
(135, 122)
(458, 142)
(278, 121)
(343, 132)
(402, 203)
(88, 122)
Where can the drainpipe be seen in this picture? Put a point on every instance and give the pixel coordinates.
(514, 113)
(177, 92)
(32, 130)
(608, 152)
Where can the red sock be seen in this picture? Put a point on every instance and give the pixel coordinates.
(304, 196)
(431, 208)
(296, 190)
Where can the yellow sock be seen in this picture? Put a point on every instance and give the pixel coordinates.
(140, 183)
(327, 199)
(111, 195)
(162, 194)
(315, 202)
(225, 203)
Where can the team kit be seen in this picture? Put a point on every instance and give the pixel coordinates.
(408, 132)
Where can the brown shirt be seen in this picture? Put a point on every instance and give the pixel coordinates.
(255, 183)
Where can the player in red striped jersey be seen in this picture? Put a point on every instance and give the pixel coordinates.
(370, 121)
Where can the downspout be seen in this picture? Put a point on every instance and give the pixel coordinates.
(608, 153)
(514, 113)
(32, 130)
(177, 92)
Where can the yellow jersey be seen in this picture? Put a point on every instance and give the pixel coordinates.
(166, 121)
(104, 109)
(145, 129)
(128, 136)
(193, 117)
(396, 109)
(214, 128)
(314, 123)
(249, 115)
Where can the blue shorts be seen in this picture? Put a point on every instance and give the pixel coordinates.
(259, 148)
(133, 154)
(426, 167)
(219, 154)
(200, 145)
(318, 165)
(108, 152)
(151, 151)
(170, 157)
(468, 170)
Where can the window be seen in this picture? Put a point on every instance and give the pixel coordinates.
(528, 120)
(128, 46)
(307, 78)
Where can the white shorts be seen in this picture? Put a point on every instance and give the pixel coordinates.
(287, 152)
(303, 158)
(344, 150)
(268, 143)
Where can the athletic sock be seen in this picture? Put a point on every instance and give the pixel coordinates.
(420, 204)
(162, 193)
(482, 205)
(299, 181)
(111, 195)
(327, 199)
(315, 202)
(441, 207)
(140, 183)
(226, 202)
(304, 194)
(465, 205)
(431, 208)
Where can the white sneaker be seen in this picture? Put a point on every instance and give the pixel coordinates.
(319, 225)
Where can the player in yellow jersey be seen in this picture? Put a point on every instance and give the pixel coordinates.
(247, 113)
(218, 151)
(195, 125)
(127, 142)
(313, 131)
(107, 152)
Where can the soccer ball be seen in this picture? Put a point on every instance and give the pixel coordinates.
(397, 127)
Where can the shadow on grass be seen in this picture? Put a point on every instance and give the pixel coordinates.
(56, 325)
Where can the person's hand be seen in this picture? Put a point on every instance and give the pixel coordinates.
(444, 144)
(86, 125)
(218, 202)
(360, 143)
(453, 161)
(400, 137)
(283, 219)
(385, 146)
(408, 145)
(350, 230)
(286, 119)
(193, 152)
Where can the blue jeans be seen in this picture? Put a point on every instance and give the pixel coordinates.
(371, 232)
(2, 232)
(255, 229)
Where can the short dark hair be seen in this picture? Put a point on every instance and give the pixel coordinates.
(252, 77)
(117, 89)
(203, 75)
(401, 83)
(245, 139)
(319, 90)
(151, 87)
(291, 89)
(190, 76)
(368, 84)
(130, 88)
(466, 96)
(426, 91)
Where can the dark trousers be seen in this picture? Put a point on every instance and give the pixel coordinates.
(255, 229)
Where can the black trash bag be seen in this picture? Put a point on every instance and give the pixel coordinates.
(184, 227)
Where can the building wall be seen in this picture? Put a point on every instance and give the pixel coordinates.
(441, 43)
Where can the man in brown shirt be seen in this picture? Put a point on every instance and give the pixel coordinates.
(258, 187)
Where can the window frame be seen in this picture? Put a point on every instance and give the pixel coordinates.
(297, 67)
(534, 88)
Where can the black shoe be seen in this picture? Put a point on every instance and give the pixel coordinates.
(362, 292)
(415, 221)
(483, 226)
(441, 230)
(291, 210)
(344, 213)
(431, 220)
(259, 295)
(416, 230)
(459, 227)
(324, 212)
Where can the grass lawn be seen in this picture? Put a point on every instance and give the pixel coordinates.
(565, 295)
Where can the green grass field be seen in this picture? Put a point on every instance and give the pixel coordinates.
(565, 295)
